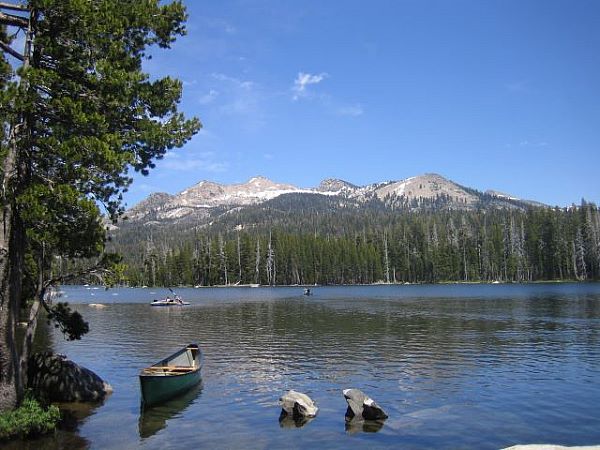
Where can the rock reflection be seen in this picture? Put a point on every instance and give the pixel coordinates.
(153, 419)
(357, 425)
(293, 421)
(73, 415)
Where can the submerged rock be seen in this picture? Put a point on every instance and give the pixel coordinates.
(297, 405)
(57, 379)
(362, 406)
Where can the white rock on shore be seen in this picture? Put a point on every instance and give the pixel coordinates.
(551, 447)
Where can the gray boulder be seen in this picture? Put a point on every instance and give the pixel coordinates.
(297, 404)
(57, 379)
(362, 406)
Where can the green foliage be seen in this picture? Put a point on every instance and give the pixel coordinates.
(83, 114)
(30, 419)
(115, 270)
(70, 322)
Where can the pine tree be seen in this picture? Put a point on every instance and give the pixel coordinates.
(257, 261)
(579, 256)
(80, 114)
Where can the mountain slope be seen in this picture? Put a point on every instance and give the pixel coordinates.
(208, 200)
(427, 186)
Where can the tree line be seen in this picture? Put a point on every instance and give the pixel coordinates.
(486, 245)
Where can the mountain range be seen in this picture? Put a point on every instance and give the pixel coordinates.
(202, 202)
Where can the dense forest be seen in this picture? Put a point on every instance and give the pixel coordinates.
(320, 246)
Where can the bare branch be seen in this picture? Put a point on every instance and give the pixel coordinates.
(97, 271)
(12, 6)
(8, 49)
(12, 20)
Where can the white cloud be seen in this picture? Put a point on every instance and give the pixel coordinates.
(301, 89)
(207, 134)
(516, 87)
(526, 143)
(242, 84)
(204, 161)
(352, 110)
(209, 97)
(303, 80)
(219, 25)
(242, 99)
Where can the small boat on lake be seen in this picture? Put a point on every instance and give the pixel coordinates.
(171, 376)
(168, 301)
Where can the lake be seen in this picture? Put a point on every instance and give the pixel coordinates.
(454, 366)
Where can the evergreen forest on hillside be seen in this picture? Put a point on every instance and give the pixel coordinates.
(271, 246)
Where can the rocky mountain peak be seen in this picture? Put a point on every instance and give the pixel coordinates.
(260, 181)
(260, 184)
(335, 185)
(429, 185)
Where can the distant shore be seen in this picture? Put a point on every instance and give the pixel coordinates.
(441, 283)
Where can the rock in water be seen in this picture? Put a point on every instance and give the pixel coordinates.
(298, 404)
(361, 405)
(57, 379)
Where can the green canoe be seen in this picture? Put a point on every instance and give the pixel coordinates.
(171, 376)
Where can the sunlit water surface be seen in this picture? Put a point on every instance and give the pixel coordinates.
(454, 366)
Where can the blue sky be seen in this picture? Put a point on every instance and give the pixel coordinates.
(500, 94)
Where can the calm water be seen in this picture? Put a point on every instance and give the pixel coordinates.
(457, 366)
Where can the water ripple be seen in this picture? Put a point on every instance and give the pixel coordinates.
(524, 363)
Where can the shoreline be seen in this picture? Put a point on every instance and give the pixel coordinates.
(439, 283)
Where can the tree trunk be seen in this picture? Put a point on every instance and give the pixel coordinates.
(386, 258)
(32, 326)
(12, 253)
(11, 264)
(9, 275)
